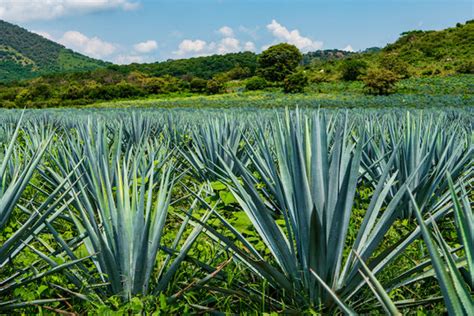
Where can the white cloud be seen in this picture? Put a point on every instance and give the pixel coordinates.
(128, 59)
(348, 48)
(91, 46)
(249, 47)
(226, 31)
(228, 45)
(195, 47)
(146, 47)
(293, 37)
(23, 11)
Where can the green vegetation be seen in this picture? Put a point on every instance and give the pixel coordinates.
(295, 82)
(256, 83)
(352, 69)
(380, 81)
(240, 184)
(242, 210)
(201, 67)
(26, 55)
(391, 70)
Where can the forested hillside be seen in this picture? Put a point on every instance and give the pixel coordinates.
(437, 51)
(24, 55)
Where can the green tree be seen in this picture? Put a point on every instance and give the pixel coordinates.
(295, 82)
(278, 61)
(380, 81)
(352, 69)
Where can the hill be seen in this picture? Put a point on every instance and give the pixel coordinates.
(413, 54)
(24, 55)
(435, 52)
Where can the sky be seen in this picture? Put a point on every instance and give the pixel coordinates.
(125, 31)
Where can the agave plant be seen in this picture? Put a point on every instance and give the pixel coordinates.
(16, 173)
(121, 204)
(455, 274)
(423, 144)
(213, 144)
(303, 212)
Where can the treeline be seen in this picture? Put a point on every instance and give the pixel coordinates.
(201, 67)
(108, 84)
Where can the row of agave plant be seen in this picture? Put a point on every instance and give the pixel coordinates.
(122, 182)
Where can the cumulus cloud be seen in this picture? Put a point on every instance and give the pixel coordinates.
(226, 31)
(193, 47)
(294, 37)
(348, 48)
(146, 47)
(23, 11)
(249, 47)
(91, 46)
(228, 45)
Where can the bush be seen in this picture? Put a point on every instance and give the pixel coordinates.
(256, 83)
(214, 86)
(73, 92)
(41, 91)
(198, 85)
(352, 69)
(6, 104)
(154, 85)
(466, 68)
(380, 81)
(295, 83)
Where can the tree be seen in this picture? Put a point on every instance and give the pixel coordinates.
(256, 83)
(295, 82)
(380, 81)
(352, 69)
(278, 61)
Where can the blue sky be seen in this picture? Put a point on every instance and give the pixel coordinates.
(124, 31)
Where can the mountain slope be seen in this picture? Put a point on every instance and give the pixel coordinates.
(448, 49)
(26, 55)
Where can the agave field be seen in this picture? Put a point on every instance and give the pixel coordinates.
(179, 211)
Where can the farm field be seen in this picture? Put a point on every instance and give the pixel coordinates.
(222, 205)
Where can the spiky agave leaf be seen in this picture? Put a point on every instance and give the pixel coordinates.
(310, 184)
(425, 145)
(121, 204)
(459, 299)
